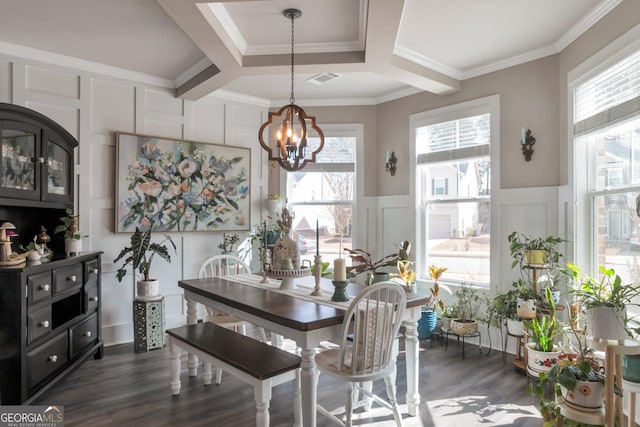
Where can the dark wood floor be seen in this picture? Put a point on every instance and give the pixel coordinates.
(132, 389)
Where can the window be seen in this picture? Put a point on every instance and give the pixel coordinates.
(606, 129)
(453, 148)
(324, 193)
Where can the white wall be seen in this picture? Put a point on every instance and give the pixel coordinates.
(92, 107)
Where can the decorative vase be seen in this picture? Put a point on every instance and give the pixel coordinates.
(376, 277)
(464, 326)
(540, 361)
(515, 327)
(606, 323)
(446, 324)
(426, 324)
(286, 255)
(587, 395)
(526, 308)
(535, 256)
(72, 246)
(631, 368)
(147, 290)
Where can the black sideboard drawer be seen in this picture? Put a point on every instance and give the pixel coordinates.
(39, 287)
(83, 335)
(67, 277)
(46, 359)
(91, 272)
(38, 324)
(91, 297)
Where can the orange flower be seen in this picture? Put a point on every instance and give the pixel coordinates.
(584, 390)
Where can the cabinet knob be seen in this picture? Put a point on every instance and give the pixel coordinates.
(44, 324)
(45, 288)
(41, 160)
(87, 334)
(94, 299)
(53, 358)
(94, 271)
(72, 278)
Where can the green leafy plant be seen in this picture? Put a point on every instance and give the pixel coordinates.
(468, 303)
(609, 291)
(228, 241)
(141, 253)
(69, 226)
(545, 330)
(365, 263)
(324, 272)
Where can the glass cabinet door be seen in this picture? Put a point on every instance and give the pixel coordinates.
(19, 171)
(58, 172)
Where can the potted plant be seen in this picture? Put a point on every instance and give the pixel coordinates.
(542, 353)
(576, 379)
(72, 237)
(428, 319)
(140, 255)
(273, 202)
(526, 299)
(505, 307)
(468, 304)
(365, 264)
(527, 250)
(604, 302)
(228, 241)
(405, 276)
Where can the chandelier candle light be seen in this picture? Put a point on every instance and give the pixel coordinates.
(291, 134)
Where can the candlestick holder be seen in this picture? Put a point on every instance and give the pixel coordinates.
(527, 145)
(340, 293)
(317, 292)
(266, 265)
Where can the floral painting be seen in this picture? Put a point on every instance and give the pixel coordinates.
(175, 185)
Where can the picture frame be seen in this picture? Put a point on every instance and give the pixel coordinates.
(174, 185)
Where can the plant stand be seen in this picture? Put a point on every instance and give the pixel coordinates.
(476, 334)
(148, 325)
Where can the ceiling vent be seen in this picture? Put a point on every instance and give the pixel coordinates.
(321, 79)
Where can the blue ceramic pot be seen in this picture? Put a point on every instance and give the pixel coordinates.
(426, 324)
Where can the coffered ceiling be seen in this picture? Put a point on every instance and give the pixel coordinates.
(368, 51)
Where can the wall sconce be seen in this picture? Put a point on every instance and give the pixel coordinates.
(390, 166)
(527, 141)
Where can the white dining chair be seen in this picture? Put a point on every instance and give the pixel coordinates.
(367, 348)
(226, 265)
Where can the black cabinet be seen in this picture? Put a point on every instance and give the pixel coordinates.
(36, 160)
(49, 323)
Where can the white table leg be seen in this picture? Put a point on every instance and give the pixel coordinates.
(175, 367)
(412, 350)
(192, 319)
(308, 386)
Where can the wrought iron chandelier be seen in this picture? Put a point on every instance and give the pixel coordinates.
(290, 136)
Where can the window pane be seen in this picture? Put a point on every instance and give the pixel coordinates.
(458, 180)
(618, 150)
(615, 85)
(458, 236)
(319, 186)
(466, 132)
(336, 149)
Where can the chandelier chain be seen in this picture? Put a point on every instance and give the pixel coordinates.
(292, 99)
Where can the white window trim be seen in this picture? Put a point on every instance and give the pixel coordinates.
(491, 105)
(582, 249)
(346, 130)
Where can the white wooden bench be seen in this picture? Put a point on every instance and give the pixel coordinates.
(252, 361)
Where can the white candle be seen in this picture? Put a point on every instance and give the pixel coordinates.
(317, 238)
(388, 156)
(523, 140)
(339, 270)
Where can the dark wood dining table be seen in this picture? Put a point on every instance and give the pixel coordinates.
(298, 316)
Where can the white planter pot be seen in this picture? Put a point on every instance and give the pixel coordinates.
(446, 323)
(540, 361)
(526, 308)
(587, 396)
(147, 290)
(72, 246)
(463, 328)
(515, 327)
(606, 323)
